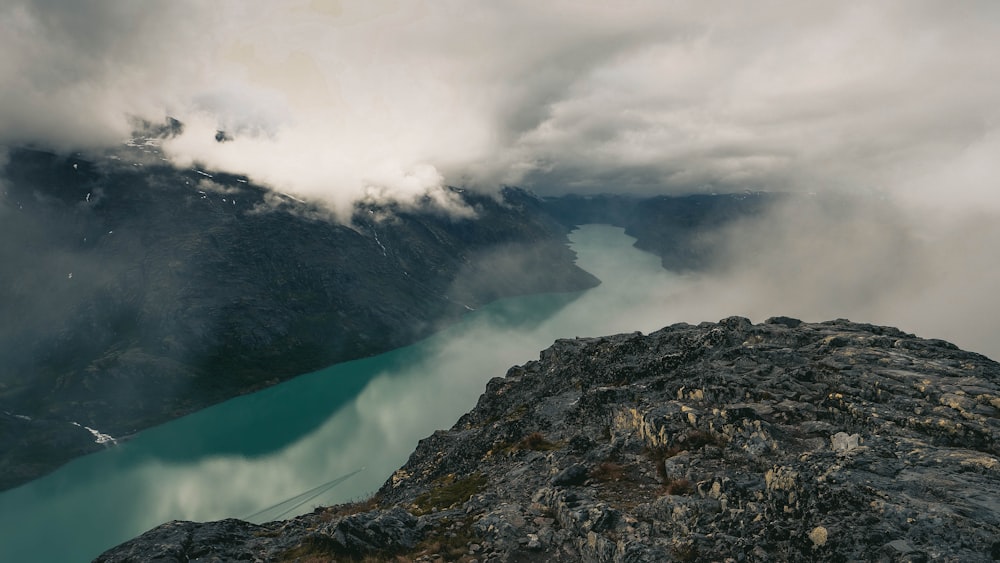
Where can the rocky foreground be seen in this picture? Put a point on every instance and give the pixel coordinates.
(724, 441)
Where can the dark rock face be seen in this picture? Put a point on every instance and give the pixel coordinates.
(726, 441)
(133, 292)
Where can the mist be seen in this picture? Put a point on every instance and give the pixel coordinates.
(885, 111)
(866, 260)
(339, 100)
(210, 465)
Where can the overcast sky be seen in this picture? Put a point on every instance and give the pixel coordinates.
(327, 97)
(893, 101)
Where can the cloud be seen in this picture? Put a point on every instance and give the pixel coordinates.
(867, 259)
(336, 100)
(74, 72)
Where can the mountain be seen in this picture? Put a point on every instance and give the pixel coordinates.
(134, 292)
(725, 441)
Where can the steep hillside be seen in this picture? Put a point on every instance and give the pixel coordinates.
(725, 441)
(133, 292)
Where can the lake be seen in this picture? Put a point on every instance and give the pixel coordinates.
(358, 420)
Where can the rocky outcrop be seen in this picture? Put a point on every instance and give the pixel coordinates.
(726, 441)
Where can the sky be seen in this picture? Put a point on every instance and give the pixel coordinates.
(889, 108)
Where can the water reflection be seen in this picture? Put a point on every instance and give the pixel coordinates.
(252, 452)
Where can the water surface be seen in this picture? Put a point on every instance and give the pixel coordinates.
(249, 453)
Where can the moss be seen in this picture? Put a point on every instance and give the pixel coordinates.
(679, 486)
(685, 552)
(518, 413)
(328, 513)
(312, 549)
(448, 492)
(537, 442)
(449, 541)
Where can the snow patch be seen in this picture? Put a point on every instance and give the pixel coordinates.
(99, 437)
(379, 242)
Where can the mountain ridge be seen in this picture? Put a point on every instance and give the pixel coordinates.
(143, 292)
(785, 440)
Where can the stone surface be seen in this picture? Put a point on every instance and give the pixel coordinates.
(782, 441)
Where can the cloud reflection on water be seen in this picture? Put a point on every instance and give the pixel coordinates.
(107, 498)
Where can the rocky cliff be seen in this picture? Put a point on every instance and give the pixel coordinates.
(725, 441)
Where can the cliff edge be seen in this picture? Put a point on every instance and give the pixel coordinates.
(725, 441)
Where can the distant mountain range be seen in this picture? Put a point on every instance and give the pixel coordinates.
(133, 292)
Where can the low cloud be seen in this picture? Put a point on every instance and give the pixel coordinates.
(338, 101)
(891, 103)
(866, 259)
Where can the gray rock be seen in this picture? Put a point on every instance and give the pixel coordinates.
(844, 442)
(782, 441)
(575, 474)
(373, 531)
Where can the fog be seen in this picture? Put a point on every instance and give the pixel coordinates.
(865, 260)
(341, 99)
(209, 465)
(887, 108)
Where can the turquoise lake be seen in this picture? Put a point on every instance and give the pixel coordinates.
(249, 453)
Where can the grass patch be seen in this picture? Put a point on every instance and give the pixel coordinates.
(698, 439)
(685, 552)
(518, 413)
(448, 492)
(328, 513)
(450, 542)
(608, 471)
(679, 486)
(537, 442)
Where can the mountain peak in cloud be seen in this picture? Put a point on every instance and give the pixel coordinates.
(338, 101)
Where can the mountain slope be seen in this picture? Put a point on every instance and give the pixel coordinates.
(786, 441)
(135, 292)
